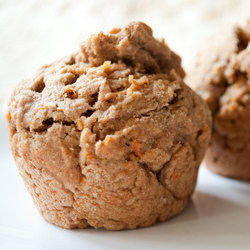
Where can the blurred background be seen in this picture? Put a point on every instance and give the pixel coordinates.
(36, 32)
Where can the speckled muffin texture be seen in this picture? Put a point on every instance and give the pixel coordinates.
(221, 76)
(110, 136)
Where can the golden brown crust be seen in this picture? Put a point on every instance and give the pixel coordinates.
(107, 146)
(221, 76)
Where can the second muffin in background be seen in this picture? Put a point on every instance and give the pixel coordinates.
(221, 76)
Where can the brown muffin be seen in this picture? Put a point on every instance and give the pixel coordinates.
(221, 76)
(110, 136)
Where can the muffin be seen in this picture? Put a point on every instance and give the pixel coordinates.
(221, 76)
(110, 136)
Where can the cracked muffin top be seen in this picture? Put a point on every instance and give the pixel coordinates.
(221, 69)
(117, 128)
(77, 83)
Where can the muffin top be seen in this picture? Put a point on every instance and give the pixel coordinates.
(221, 76)
(221, 62)
(107, 69)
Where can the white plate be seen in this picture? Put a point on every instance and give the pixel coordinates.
(218, 217)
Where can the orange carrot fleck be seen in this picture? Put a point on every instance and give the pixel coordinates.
(79, 124)
(8, 116)
(88, 155)
(106, 65)
(136, 149)
(107, 140)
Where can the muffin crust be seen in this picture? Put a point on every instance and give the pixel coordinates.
(110, 136)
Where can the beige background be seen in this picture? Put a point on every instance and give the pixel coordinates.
(35, 32)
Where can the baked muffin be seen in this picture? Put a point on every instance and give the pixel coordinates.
(221, 75)
(110, 136)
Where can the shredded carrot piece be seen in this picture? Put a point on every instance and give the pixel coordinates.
(8, 116)
(136, 149)
(88, 155)
(79, 124)
(107, 140)
(106, 64)
(115, 30)
(58, 217)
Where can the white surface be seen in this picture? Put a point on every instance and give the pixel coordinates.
(218, 217)
(35, 32)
